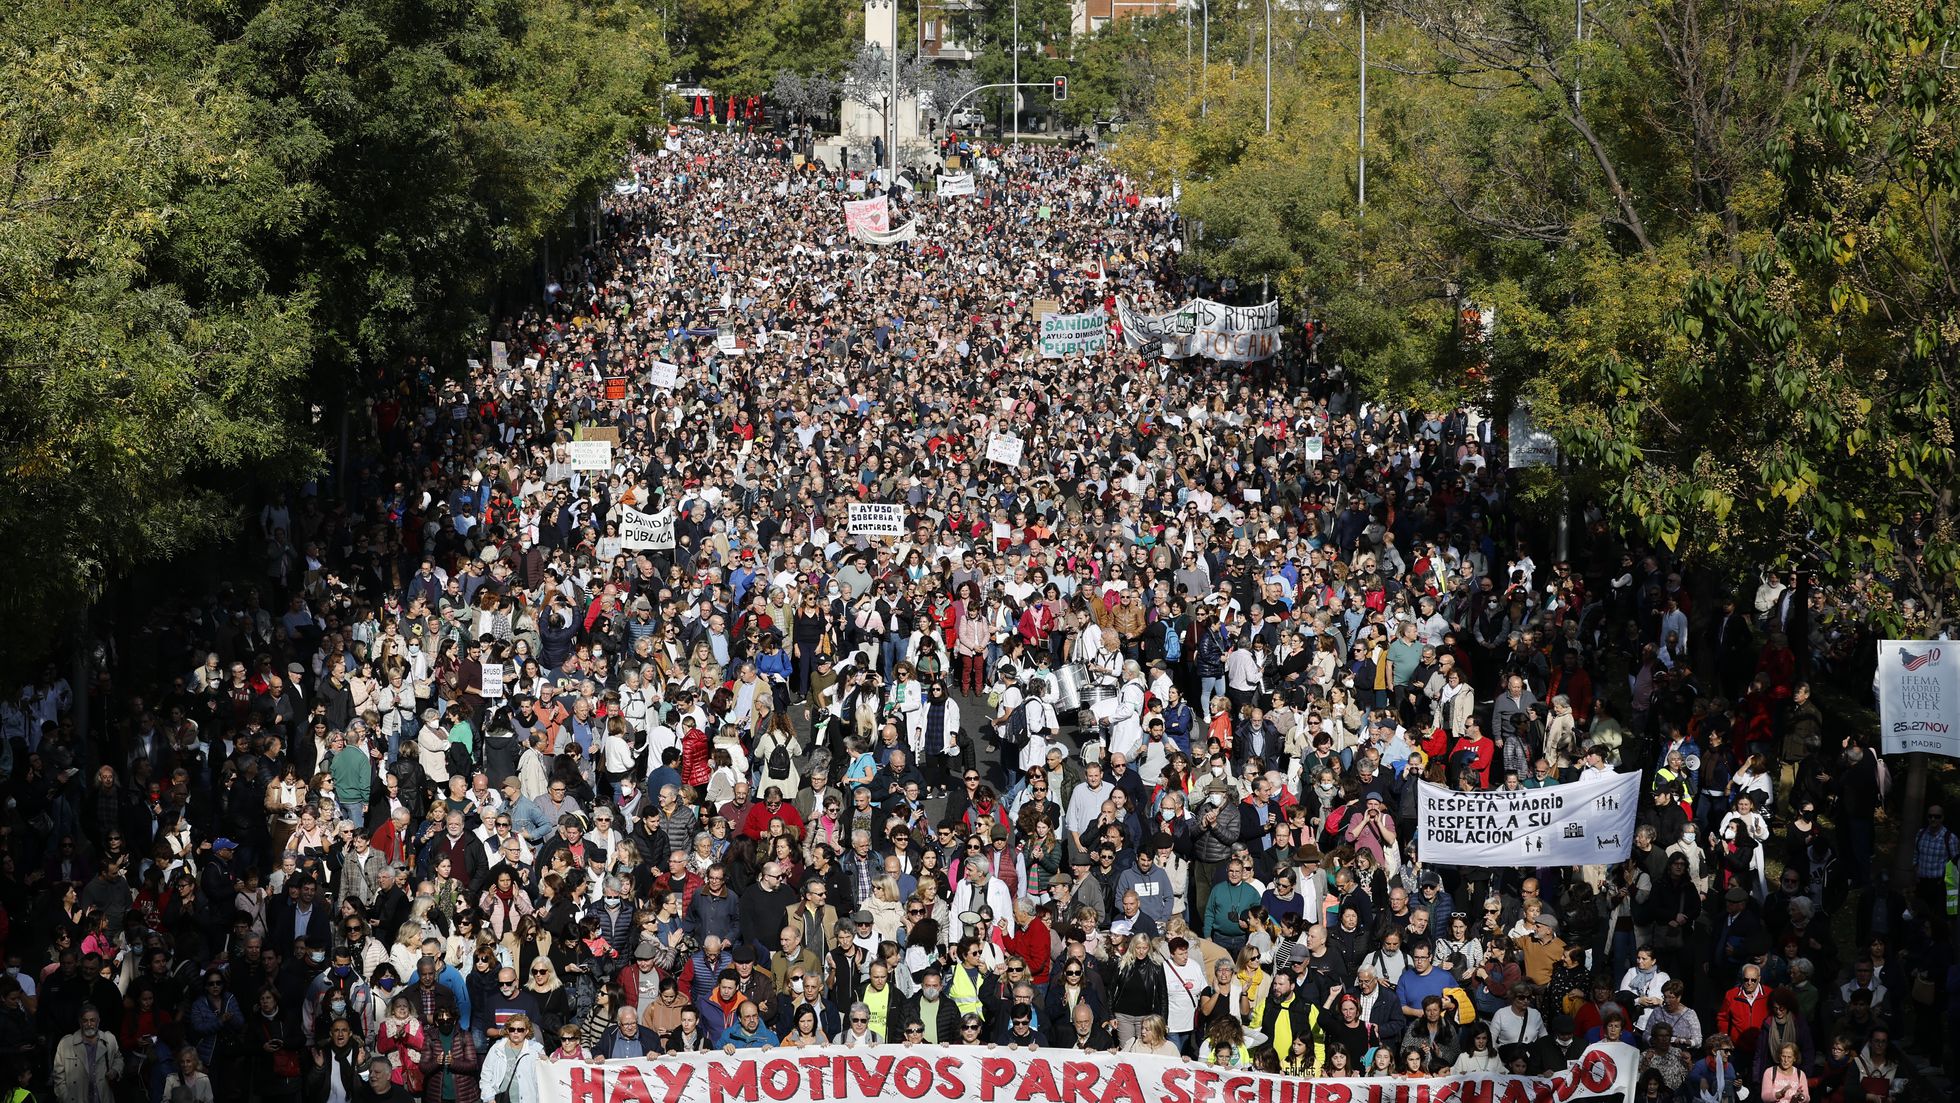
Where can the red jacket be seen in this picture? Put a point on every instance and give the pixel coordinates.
(1031, 944)
(1742, 1019)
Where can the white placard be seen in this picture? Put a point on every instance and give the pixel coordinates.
(589, 455)
(1069, 334)
(1315, 449)
(1004, 448)
(646, 530)
(499, 356)
(876, 519)
(493, 680)
(1583, 823)
(950, 186)
(1918, 685)
(729, 344)
(1254, 495)
(664, 375)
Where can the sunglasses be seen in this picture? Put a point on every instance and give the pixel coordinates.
(859, 1019)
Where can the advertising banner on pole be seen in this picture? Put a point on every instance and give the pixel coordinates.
(1530, 445)
(950, 186)
(1918, 684)
(1606, 1071)
(1587, 822)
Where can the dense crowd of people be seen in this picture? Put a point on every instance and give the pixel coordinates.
(1113, 749)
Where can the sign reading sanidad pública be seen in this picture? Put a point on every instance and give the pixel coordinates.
(1581, 823)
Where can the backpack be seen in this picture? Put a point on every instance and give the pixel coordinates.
(1173, 643)
(779, 764)
(1014, 729)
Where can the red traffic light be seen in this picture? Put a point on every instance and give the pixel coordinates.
(1061, 88)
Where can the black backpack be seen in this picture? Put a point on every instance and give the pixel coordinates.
(779, 763)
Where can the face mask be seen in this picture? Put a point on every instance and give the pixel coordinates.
(317, 957)
(930, 993)
(342, 970)
(1218, 771)
(339, 1006)
(388, 984)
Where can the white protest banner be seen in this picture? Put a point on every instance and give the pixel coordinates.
(1201, 327)
(867, 214)
(1606, 1072)
(645, 530)
(876, 519)
(1217, 317)
(1315, 448)
(589, 455)
(907, 232)
(950, 186)
(1004, 448)
(1234, 347)
(1918, 684)
(493, 680)
(1068, 334)
(1530, 445)
(664, 375)
(1588, 822)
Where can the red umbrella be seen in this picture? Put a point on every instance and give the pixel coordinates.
(711, 105)
(697, 106)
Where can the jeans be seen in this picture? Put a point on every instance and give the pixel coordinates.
(891, 654)
(354, 810)
(1207, 689)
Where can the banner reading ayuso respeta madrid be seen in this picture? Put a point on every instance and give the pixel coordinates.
(908, 1074)
(1587, 822)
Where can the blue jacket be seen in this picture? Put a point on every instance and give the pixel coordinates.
(762, 1038)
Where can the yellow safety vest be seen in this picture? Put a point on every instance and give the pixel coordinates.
(965, 991)
(880, 1003)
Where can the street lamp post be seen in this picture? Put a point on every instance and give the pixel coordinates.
(1016, 17)
(1204, 66)
(1269, 66)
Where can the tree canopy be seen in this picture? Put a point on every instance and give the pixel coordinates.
(1716, 241)
(218, 212)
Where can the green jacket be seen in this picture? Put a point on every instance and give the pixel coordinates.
(351, 773)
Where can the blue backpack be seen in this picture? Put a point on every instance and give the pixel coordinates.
(1173, 643)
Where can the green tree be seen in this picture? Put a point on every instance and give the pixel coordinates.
(437, 144)
(150, 364)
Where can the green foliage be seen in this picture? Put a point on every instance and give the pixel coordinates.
(441, 142)
(218, 210)
(145, 363)
(736, 47)
(1717, 239)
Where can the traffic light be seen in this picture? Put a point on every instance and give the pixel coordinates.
(1061, 89)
